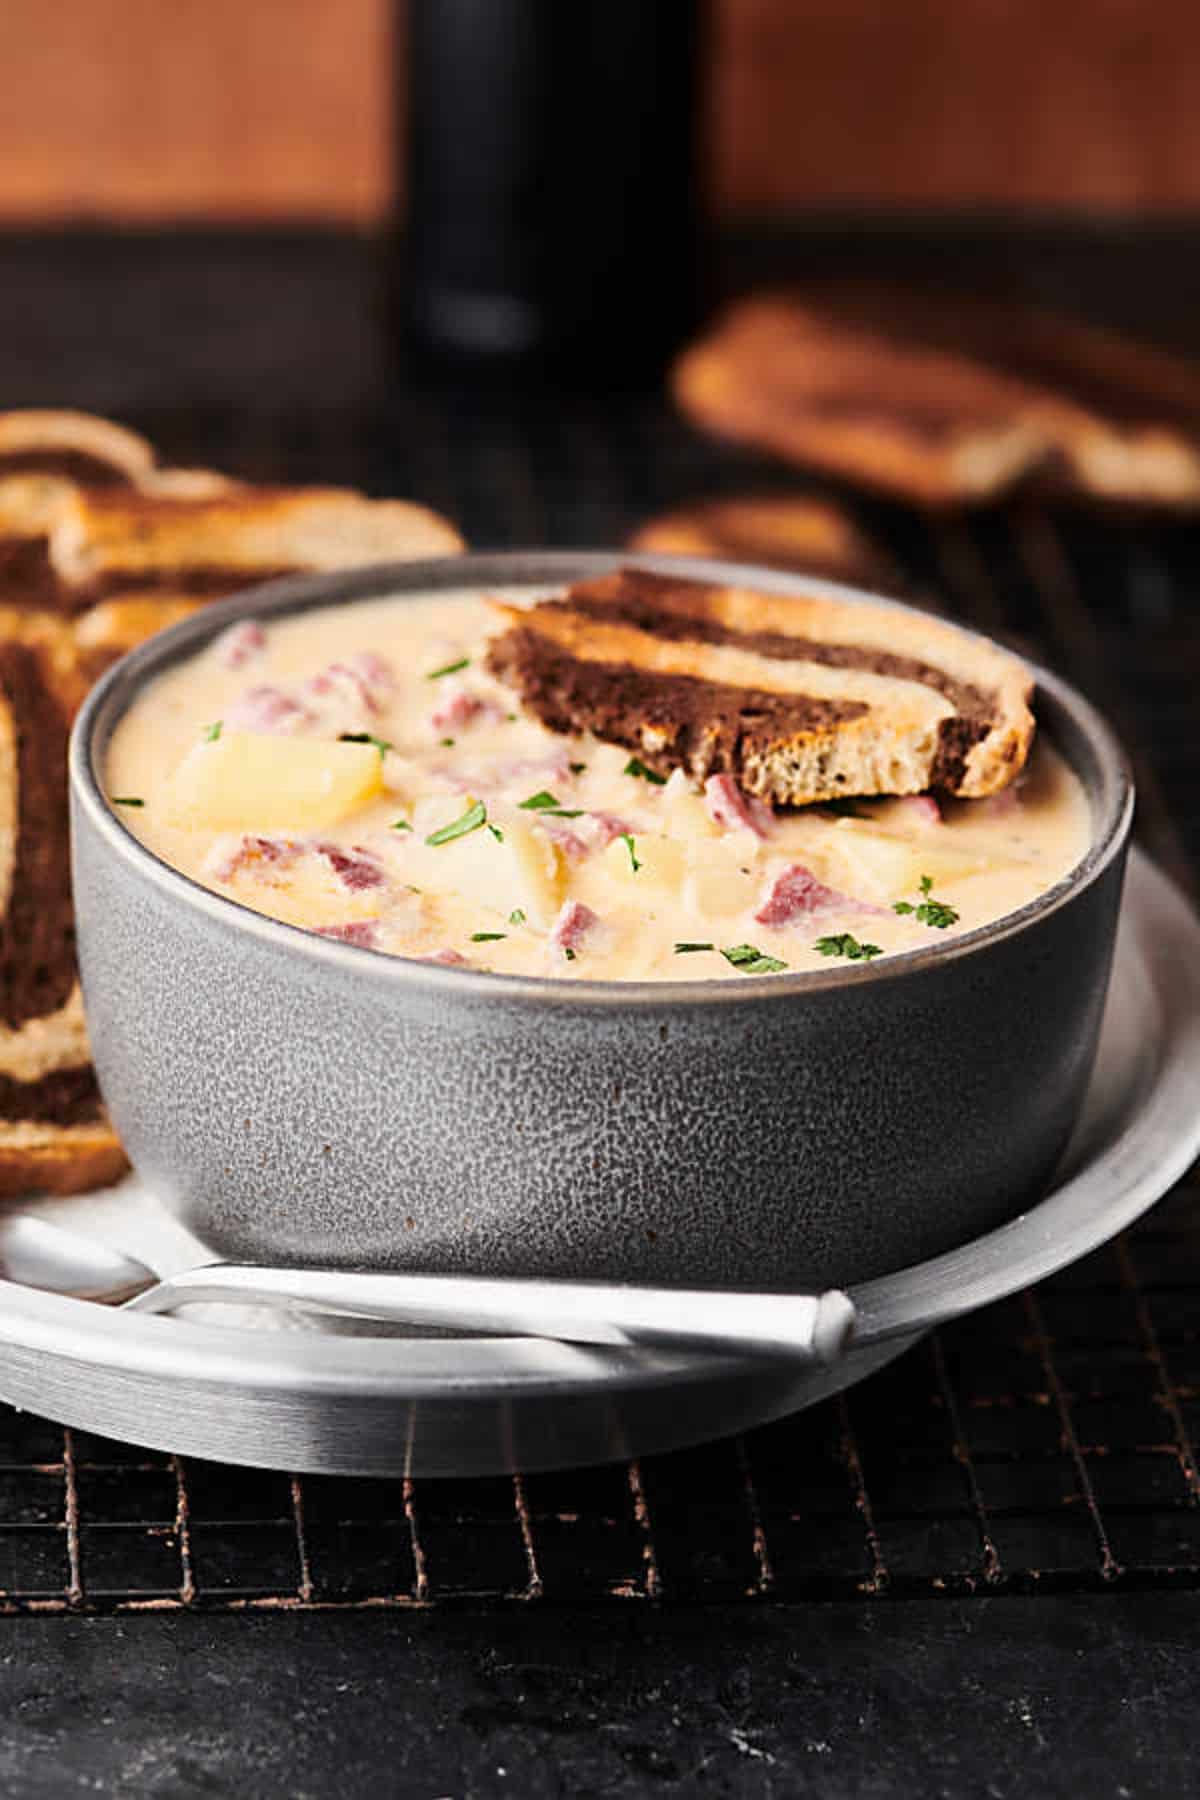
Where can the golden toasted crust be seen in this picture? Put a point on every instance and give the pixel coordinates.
(59, 1159)
(801, 698)
(105, 632)
(247, 531)
(187, 484)
(945, 399)
(793, 531)
(28, 436)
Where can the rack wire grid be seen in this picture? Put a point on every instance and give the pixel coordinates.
(1047, 1444)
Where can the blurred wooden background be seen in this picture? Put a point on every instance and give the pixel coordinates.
(248, 109)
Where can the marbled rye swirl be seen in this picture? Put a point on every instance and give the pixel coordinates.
(799, 699)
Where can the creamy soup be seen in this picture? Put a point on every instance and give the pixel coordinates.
(356, 771)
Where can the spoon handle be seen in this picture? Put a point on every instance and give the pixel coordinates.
(812, 1328)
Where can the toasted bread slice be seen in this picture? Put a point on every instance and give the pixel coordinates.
(801, 699)
(54, 1131)
(137, 562)
(43, 458)
(793, 531)
(123, 543)
(948, 398)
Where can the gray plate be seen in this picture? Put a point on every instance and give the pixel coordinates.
(469, 1406)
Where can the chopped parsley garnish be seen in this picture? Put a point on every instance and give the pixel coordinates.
(496, 833)
(126, 800)
(401, 825)
(576, 768)
(927, 910)
(752, 961)
(450, 668)
(447, 743)
(686, 949)
(847, 945)
(635, 766)
(544, 802)
(843, 809)
(627, 840)
(212, 732)
(569, 953)
(383, 745)
(487, 937)
(471, 820)
(516, 916)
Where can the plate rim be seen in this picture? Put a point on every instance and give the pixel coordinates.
(1155, 1145)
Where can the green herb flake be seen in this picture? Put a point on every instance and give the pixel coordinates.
(516, 916)
(487, 937)
(447, 743)
(687, 949)
(212, 732)
(496, 833)
(635, 766)
(569, 954)
(450, 668)
(126, 800)
(627, 840)
(544, 802)
(927, 910)
(752, 961)
(383, 745)
(401, 825)
(471, 820)
(577, 768)
(847, 945)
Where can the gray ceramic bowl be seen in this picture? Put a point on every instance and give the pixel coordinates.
(295, 1098)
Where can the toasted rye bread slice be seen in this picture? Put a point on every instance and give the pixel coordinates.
(801, 699)
(947, 398)
(43, 458)
(793, 531)
(54, 1131)
(110, 544)
(138, 562)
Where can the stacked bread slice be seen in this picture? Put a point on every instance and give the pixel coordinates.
(948, 398)
(99, 548)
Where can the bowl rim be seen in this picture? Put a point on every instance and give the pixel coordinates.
(111, 697)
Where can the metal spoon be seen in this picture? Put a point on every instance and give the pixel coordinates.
(797, 1327)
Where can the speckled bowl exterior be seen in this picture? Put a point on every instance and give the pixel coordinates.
(295, 1099)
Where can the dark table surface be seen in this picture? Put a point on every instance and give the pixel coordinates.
(1003, 1594)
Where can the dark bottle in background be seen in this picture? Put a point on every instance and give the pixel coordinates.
(551, 162)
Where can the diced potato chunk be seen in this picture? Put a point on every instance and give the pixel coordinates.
(523, 868)
(891, 867)
(539, 869)
(246, 781)
(719, 891)
(661, 863)
(686, 814)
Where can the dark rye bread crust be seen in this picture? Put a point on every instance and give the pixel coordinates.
(667, 608)
(27, 576)
(696, 719)
(37, 935)
(200, 580)
(72, 465)
(37, 942)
